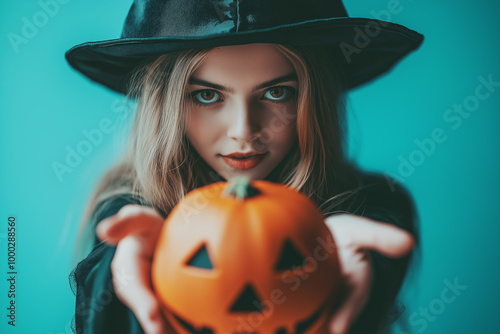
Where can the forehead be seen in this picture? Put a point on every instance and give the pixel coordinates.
(251, 61)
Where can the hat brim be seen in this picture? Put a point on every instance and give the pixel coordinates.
(363, 48)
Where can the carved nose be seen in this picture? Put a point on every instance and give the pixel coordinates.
(247, 301)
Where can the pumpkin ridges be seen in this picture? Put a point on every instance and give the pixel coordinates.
(244, 240)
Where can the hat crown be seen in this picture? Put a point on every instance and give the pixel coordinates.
(362, 48)
(194, 18)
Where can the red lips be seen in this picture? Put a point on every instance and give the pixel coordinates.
(240, 154)
(243, 161)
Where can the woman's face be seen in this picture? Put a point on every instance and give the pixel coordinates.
(243, 101)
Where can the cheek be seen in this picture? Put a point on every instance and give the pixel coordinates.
(199, 128)
(280, 125)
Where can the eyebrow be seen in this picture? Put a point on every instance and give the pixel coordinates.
(284, 78)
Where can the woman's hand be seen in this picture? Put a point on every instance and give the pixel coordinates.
(354, 235)
(135, 230)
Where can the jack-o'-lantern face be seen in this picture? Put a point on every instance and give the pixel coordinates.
(256, 265)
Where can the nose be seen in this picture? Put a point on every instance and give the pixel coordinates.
(244, 124)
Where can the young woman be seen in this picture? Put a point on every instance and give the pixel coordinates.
(251, 88)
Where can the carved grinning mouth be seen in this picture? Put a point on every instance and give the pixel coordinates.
(300, 328)
(248, 299)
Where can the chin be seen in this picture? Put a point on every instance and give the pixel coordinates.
(251, 174)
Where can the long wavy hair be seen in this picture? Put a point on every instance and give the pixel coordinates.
(159, 166)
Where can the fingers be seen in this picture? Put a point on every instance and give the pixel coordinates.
(346, 314)
(149, 315)
(356, 290)
(135, 230)
(131, 219)
(367, 234)
(132, 284)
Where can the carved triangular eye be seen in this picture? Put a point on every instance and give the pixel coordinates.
(290, 257)
(247, 301)
(201, 259)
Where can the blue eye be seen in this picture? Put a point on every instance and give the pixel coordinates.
(206, 96)
(279, 93)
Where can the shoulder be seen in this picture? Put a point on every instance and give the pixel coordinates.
(111, 205)
(383, 184)
(383, 198)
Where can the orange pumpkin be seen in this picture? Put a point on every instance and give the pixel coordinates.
(246, 258)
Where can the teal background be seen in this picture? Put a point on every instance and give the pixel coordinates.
(46, 107)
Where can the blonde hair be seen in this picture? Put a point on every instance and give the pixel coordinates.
(159, 165)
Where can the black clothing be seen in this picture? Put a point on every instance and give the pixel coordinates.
(98, 311)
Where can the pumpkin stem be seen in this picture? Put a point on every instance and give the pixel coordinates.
(241, 188)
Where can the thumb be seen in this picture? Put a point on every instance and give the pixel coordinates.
(367, 234)
(131, 219)
(387, 239)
